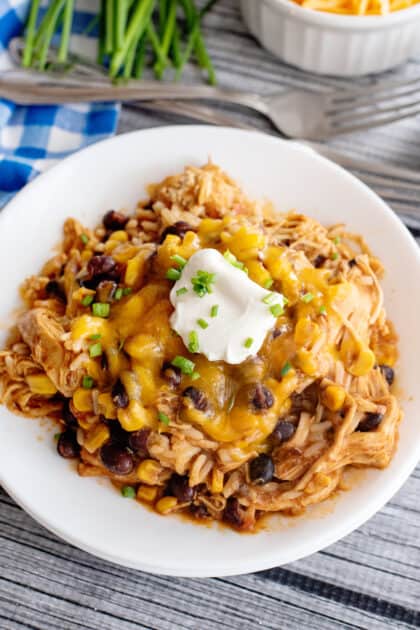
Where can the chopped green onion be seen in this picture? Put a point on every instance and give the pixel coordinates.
(118, 294)
(185, 365)
(337, 240)
(308, 297)
(202, 282)
(334, 256)
(84, 238)
(214, 310)
(87, 382)
(202, 323)
(173, 274)
(127, 290)
(234, 261)
(163, 418)
(101, 309)
(193, 344)
(128, 492)
(95, 350)
(286, 368)
(276, 310)
(87, 300)
(179, 260)
(95, 337)
(323, 310)
(195, 376)
(57, 436)
(269, 298)
(248, 343)
(182, 291)
(268, 283)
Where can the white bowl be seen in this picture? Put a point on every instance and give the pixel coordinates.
(326, 43)
(113, 174)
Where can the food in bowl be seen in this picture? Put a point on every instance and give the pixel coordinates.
(209, 355)
(360, 7)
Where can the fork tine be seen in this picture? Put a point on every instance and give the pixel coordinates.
(351, 95)
(373, 121)
(369, 100)
(344, 117)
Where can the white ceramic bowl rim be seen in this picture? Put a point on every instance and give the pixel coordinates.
(346, 22)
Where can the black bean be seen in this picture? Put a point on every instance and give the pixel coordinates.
(114, 220)
(180, 228)
(370, 422)
(67, 414)
(352, 263)
(118, 434)
(172, 374)
(261, 469)
(388, 373)
(262, 398)
(54, 288)
(119, 395)
(179, 487)
(199, 511)
(100, 265)
(198, 398)
(283, 431)
(105, 291)
(67, 445)
(232, 512)
(138, 442)
(117, 459)
(319, 261)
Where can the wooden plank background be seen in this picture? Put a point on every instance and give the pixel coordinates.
(369, 580)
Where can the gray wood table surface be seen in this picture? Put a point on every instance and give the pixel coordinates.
(370, 579)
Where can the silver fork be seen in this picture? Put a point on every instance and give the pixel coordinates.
(297, 113)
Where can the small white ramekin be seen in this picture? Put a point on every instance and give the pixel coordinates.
(326, 43)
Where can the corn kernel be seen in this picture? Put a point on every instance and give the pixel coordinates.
(141, 346)
(333, 397)
(96, 438)
(363, 364)
(120, 235)
(322, 480)
(41, 384)
(82, 399)
(124, 252)
(147, 493)
(306, 331)
(86, 255)
(258, 272)
(217, 481)
(134, 417)
(148, 471)
(135, 268)
(149, 384)
(166, 505)
(108, 408)
(307, 362)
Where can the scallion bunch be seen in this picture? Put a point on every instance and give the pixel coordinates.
(132, 34)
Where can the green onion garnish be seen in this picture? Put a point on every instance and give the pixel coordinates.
(162, 417)
(334, 256)
(95, 337)
(195, 376)
(268, 283)
(127, 290)
(269, 298)
(214, 310)
(286, 368)
(248, 343)
(84, 238)
(323, 310)
(277, 310)
(87, 382)
(179, 260)
(128, 492)
(100, 309)
(87, 300)
(202, 282)
(185, 365)
(202, 323)
(337, 240)
(234, 261)
(118, 294)
(182, 291)
(57, 436)
(173, 274)
(308, 297)
(95, 350)
(193, 345)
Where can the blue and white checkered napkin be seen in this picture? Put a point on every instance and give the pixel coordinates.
(34, 138)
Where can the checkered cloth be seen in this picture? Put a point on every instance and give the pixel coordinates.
(34, 138)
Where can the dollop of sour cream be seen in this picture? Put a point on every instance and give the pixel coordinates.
(230, 323)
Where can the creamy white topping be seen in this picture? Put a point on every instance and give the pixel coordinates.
(244, 309)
